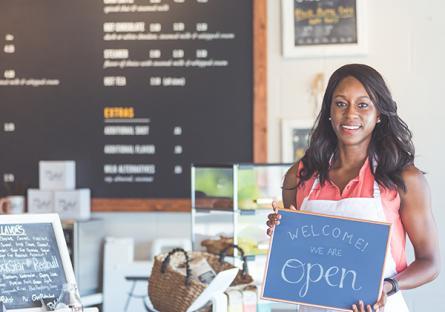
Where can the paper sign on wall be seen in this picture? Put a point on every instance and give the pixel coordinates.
(325, 261)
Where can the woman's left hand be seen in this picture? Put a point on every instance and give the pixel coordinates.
(378, 306)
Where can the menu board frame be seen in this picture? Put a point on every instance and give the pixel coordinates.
(54, 220)
(259, 147)
(291, 26)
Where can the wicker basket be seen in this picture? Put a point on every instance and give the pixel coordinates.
(172, 291)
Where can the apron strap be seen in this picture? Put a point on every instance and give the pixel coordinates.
(314, 185)
(376, 191)
(376, 188)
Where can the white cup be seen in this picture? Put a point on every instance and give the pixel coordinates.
(16, 204)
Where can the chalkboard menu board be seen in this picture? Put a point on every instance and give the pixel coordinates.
(325, 22)
(134, 91)
(31, 264)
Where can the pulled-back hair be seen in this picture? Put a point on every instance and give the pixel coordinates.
(391, 143)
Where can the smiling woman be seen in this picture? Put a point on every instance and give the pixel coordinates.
(360, 163)
(357, 95)
(353, 114)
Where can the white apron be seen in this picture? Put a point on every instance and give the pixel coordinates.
(360, 208)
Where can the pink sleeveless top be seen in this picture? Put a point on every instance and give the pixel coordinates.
(362, 186)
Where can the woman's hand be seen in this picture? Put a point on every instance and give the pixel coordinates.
(274, 218)
(360, 307)
(378, 306)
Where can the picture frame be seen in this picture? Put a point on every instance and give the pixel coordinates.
(295, 135)
(321, 28)
(38, 223)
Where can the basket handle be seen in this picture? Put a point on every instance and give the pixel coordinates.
(188, 271)
(223, 252)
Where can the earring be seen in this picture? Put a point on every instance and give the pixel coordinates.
(378, 120)
(330, 118)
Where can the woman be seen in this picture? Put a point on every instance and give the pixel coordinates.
(360, 163)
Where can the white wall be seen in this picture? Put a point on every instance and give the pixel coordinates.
(407, 46)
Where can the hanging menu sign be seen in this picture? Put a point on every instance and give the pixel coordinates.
(31, 268)
(133, 90)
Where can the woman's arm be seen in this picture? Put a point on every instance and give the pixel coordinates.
(289, 194)
(417, 218)
(290, 182)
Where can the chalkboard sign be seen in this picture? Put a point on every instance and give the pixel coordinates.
(133, 91)
(325, 22)
(325, 261)
(34, 261)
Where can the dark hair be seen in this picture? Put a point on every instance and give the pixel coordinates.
(391, 143)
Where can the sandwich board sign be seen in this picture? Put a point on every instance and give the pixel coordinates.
(34, 261)
(325, 261)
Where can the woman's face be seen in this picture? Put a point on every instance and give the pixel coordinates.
(353, 114)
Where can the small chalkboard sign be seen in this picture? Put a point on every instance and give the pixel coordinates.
(34, 261)
(325, 261)
(324, 28)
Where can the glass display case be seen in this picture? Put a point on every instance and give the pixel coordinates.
(84, 239)
(230, 204)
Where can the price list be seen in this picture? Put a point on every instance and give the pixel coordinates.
(133, 90)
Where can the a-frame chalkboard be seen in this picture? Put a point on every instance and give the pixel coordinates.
(34, 261)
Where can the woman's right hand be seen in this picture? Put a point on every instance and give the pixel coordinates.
(274, 218)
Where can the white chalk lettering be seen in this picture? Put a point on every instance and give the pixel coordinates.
(295, 272)
(343, 275)
(292, 264)
(305, 231)
(317, 250)
(347, 236)
(336, 232)
(310, 230)
(304, 289)
(328, 274)
(12, 230)
(45, 265)
(325, 231)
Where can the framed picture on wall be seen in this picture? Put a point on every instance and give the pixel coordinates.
(319, 28)
(295, 135)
